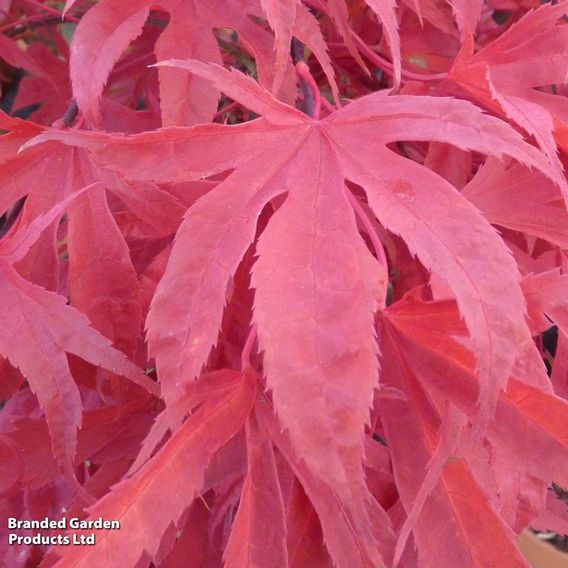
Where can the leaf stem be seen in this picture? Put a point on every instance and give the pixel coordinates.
(70, 114)
(247, 349)
(227, 108)
(327, 105)
(68, 117)
(312, 95)
(388, 67)
(303, 72)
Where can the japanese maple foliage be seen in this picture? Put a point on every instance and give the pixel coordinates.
(276, 277)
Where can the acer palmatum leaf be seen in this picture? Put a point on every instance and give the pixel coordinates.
(467, 13)
(99, 41)
(110, 26)
(472, 267)
(101, 274)
(210, 387)
(304, 534)
(352, 537)
(385, 11)
(18, 132)
(515, 197)
(308, 31)
(445, 16)
(51, 329)
(338, 11)
(426, 471)
(133, 501)
(102, 280)
(10, 52)
(430, 11)
(281, 15)
(547, 300)
(443, 368)
(506, 75)
(259, 529)
(321, 311)
(305, 342)
(15, 245)
(311, 350)
(457, 508)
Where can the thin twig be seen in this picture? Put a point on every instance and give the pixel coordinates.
(53, 11)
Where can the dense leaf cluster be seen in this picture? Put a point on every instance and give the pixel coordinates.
(274, 279)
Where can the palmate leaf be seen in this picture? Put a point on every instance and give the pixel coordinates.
(421, 358)
(506, 76)
(512, 196)
(172, 478)
(302, 422)
(40, 329)
(350, 535)
(109, 27)
(102, 280)
(466, 14)
(454, 505)
(317, 286)
(259, 530)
